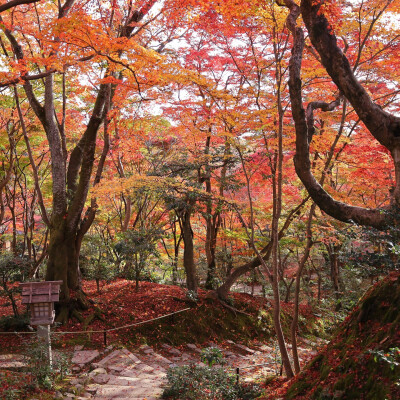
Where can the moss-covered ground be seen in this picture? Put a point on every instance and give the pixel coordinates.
(348, 367)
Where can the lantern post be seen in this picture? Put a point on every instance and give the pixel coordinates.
(41, 297)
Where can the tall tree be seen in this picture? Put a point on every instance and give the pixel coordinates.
(71, 170)
(382, 125)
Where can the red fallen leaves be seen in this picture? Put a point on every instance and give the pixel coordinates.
(276, 388)
(122, 305)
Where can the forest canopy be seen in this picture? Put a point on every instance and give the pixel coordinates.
(201, 142)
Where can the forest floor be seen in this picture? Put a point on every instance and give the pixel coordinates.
(246, 321)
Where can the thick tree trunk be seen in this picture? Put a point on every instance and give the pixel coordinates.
(63, 264)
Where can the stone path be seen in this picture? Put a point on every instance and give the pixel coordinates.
(118, 374)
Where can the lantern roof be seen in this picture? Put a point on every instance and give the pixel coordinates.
(40, 292)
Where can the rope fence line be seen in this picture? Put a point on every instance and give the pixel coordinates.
(103, 331)
(257, 365)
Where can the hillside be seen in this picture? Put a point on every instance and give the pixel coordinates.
(352, 365)
(244, 319)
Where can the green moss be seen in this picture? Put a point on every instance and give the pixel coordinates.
(316, 362)
(353, 374)
(375, 389)
(324, 370)
(299, 388)
(344, 382)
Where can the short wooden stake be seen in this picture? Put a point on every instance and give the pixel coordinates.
(105, 338)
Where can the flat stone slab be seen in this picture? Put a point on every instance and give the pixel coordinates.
(137, 374)
(128, 392)
(118, 360)
(173, 351)
(101, 378)
(11, 361)
(244, 348)
(129, 398)
(193, 347)
(159, 358)
(83, 357)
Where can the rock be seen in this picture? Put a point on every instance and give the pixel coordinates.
(185, 357)
(101, 378)
(12, 361)
(92, 388)
(244, 348)
(83, 357)
(174, 351)
(97, 371)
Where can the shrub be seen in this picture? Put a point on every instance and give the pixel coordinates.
(12, 269)
(43, 374)
(196, 382)
(12, 323)
(212, 355)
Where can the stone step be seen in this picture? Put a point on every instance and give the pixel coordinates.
(127, 398)
(244, 348)
(12, 361)
(145, 390)
(83, 357)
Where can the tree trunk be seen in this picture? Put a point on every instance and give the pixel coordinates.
(188, 251)
(235, 274)
(302, 263)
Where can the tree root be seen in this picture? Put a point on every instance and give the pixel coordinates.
(233, 309)
(190, 303)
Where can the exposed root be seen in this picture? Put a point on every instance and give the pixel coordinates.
(87, 321)
(234, 310)
(76, 314)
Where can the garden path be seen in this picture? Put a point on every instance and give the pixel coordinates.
(119, 374)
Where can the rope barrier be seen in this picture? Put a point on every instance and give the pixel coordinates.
(257, 365)
(104, 331)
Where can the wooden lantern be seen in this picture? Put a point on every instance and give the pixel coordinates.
(41, 297)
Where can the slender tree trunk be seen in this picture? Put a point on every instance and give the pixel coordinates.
(188, 251)
(302, 263)
(276, 169)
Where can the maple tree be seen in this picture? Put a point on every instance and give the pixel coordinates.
(173, 119)
(56, 49)
(382, 125)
